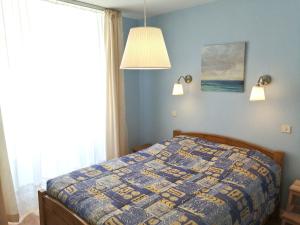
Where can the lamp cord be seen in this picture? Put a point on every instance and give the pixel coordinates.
(145, 14)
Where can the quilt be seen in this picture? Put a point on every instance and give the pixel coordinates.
(183, 180)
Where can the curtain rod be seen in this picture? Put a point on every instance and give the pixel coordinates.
(84, 4)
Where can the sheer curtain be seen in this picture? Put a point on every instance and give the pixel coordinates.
(52, 91)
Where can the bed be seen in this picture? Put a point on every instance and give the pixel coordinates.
(193, 178)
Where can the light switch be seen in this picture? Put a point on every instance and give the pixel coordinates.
(174, 113)
(285, 128)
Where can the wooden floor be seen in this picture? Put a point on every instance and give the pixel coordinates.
(274, 222)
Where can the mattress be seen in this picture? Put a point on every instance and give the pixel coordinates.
(183, 180)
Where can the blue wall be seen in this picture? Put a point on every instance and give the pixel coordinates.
(132, 94)
(271, 29)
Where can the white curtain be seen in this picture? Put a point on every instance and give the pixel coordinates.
(52, 91)
(8, 210)
(116, 130)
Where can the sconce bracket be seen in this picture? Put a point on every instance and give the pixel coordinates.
(187, 78)
(264, 80)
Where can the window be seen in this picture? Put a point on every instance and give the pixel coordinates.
(52, 91)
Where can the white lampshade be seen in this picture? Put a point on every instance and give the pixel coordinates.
(177, 89)
(145, 49)
(257, 94)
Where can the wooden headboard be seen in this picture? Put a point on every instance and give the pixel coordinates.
(277, 156)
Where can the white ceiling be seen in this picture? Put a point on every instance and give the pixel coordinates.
(134, 8)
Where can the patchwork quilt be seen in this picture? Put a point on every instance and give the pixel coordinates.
(184, 180)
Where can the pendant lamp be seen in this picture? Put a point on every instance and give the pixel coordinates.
(145, 49)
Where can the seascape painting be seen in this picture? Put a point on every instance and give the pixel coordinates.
(223, 67)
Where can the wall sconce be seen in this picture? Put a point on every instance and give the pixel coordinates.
(258, 91)
(178, 89)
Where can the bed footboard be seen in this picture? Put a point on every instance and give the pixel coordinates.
(52, 212)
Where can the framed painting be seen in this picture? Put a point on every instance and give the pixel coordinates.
(223, 67)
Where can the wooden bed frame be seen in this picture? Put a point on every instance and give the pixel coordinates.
(52, 212)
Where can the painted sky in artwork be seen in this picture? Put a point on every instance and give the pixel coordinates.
(223, 61)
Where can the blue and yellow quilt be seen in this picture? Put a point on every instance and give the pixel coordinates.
(183, 180)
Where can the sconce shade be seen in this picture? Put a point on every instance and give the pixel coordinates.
(145, 50)
(177, 89)
(257, 94)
